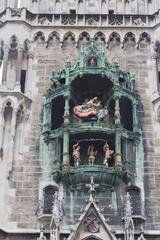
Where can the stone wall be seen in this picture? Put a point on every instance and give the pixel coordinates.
(27, 173)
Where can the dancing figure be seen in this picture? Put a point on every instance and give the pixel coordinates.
(91, 155)
(107, 154)
(76, 154)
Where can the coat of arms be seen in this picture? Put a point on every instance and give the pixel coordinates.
(92, 223)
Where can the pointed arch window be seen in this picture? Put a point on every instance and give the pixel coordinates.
(6, 136)
(48, 200)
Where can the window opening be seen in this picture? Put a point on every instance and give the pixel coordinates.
(1, 71)
(72, 11)
(49, 193)
(57, 112)
(111, 12)
(23, 80)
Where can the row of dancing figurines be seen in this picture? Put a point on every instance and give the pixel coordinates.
(92, 154)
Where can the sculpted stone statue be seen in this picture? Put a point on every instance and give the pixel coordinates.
(91, 155)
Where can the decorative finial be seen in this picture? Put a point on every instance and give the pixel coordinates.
(68, 63)
(128, 220)
(92, 190)
(128, 208)
(41, 237)
(141, 237)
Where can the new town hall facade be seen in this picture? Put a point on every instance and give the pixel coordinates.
(79, 119)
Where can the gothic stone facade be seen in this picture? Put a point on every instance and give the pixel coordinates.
(37, 37)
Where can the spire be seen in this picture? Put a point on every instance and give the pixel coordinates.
(92, 190)
(128, 220)
(141, 237)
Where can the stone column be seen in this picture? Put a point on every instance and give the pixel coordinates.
(67, 94)
(47, 117)
(18, 70)
(118, 135)
(123, 6)
(107, 5)
(118, 155)
(28, 88)
(146, 7)
(1, 129)
(134, 113)
(66, 110)
(65, 164)
(117, 112)
(66, 136)
(5, 64)
(154, 76)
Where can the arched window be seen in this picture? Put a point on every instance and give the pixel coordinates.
(69, 39)
(48, 200)
(129, 40)
(7, 138)
(114, 40)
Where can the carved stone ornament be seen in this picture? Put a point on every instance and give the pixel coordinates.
(139, 22)
(15, 12)
(44, 20)
(71, 20)
(156, 47)
(92, 223)
(91, 21)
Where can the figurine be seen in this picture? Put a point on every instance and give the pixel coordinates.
(91, 109)
(91, 155)
(76, 154)
(94, 103)
(107, 154)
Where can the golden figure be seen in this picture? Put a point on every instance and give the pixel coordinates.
(94, 103)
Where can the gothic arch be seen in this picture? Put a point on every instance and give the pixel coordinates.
(39, 36)
(114, 40)
(48, 198)
(6, 147)
(69, 38)
(53, 37)
(129, 40)
(144, 40)
(8, 101)
(91, 237)
(84, 37)
(99, 36)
